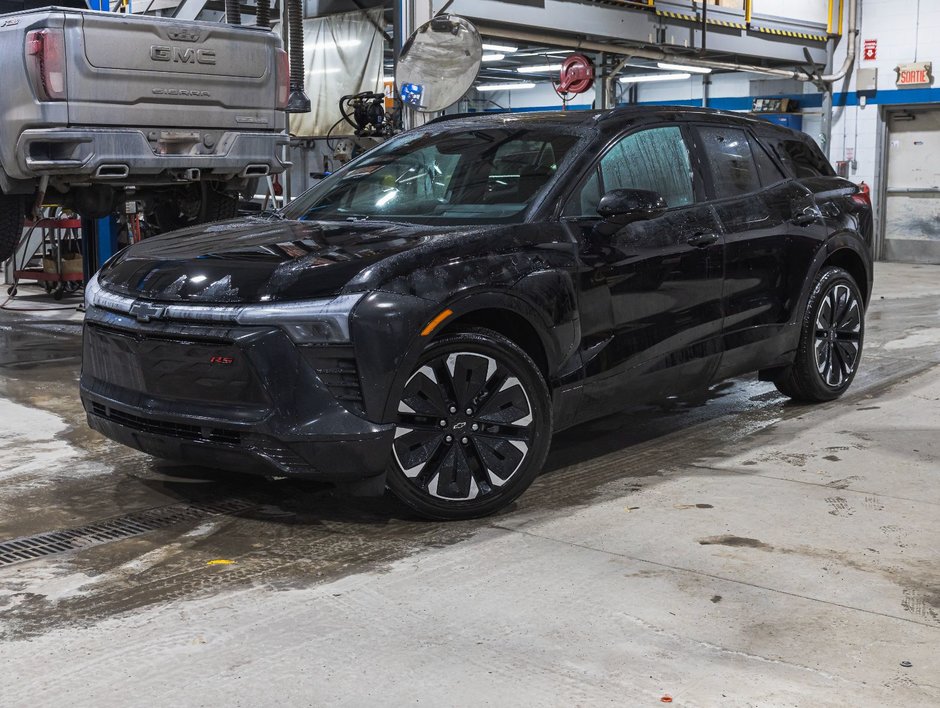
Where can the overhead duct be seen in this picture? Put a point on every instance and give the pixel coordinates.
(263, 14)
(233, 12)
(661, 55)
(298, 102)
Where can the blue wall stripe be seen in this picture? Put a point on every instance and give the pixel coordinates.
(743, 103)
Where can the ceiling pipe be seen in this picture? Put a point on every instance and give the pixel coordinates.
(660, 55)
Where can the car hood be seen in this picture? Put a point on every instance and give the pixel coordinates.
(258, 259)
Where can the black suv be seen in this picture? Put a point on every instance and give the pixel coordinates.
(427, 316)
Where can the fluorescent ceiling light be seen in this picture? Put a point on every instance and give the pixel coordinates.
(684, 67)
(329, 70)
(641, 78)
(388, 79)
(493, 57)
(538, 69)
(499, 48)
(506, 87)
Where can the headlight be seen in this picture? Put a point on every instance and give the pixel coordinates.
(91, 290)
(305, 321)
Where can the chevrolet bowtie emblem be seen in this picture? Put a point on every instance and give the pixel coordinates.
(145, 311)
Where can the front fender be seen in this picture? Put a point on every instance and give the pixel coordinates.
(387, 327)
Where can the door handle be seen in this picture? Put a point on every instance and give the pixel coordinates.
(804, 219)
(703, 240)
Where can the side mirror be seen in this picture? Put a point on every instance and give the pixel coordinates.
(624, 206)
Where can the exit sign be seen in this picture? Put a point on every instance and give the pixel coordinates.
(914, 75)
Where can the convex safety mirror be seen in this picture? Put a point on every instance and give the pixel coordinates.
(439, 63)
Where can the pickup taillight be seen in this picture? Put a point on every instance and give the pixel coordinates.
(283, 79)
(45, 49)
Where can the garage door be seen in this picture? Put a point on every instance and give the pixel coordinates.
(912, 210)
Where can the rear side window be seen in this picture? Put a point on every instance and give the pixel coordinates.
(766, 167)
(656, 159)
(802, 159)
(730, 162)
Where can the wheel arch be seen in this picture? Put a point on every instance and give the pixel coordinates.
(849, 260)
(508, 323)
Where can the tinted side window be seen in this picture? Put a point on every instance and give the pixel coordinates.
(766, 167)
(802, 159)
(656, 159)
(730, 162)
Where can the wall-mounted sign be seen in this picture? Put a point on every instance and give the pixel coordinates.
(870, 50)
(914, 75)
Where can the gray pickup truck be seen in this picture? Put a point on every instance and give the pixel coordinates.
(95, 106)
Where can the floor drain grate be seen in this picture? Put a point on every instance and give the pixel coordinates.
(133, 524)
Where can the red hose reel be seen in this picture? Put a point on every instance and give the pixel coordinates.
(576, 75)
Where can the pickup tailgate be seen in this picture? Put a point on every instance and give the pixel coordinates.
(149, 72)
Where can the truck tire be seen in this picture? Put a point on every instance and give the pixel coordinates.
(217, 203)
(12, 215)
(200, 204)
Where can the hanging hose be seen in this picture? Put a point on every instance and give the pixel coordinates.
(233, 12)
(298, 101)
(263, 14)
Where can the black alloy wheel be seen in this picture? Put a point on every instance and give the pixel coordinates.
(831, 340)
(474, 423)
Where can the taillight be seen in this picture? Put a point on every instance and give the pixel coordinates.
(283, 79)
(45, 48)
(863, 196)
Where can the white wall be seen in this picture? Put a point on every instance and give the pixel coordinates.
(902, 37)
(722, 86)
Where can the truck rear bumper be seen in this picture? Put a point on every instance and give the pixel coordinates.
(123, 155)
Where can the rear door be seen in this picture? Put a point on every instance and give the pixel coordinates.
(650, 292)
(132, 71)
(756, 204)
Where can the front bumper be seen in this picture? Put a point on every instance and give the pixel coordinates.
(126, 155)
(246, 399)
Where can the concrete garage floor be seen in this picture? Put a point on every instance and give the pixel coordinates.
(734, 550)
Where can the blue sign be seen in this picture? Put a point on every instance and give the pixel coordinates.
(412, 93)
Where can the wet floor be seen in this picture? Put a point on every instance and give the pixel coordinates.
(287, 535)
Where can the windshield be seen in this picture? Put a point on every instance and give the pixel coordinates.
(473, 176)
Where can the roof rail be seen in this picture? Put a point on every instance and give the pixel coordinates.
(454, 116)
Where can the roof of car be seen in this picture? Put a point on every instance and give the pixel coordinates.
(611, 116)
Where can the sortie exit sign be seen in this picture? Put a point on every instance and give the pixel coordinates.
(914, 75)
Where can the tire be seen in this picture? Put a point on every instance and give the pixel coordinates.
(12, 217)
(217, 204)
(831, 339)
(200, 204)
(494, 452)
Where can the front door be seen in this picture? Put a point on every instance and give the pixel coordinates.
(650, 291)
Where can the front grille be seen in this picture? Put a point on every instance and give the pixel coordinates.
(336, 368)
(161, 427)
(182, 368)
